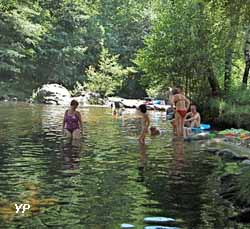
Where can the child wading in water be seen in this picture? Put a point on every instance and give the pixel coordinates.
(145, 123)
(72, 121)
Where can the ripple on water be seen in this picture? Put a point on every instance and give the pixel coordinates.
(105, 179)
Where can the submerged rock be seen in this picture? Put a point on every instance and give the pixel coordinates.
(229, 155)
(243, 217)
(246, 162)
(158, 220)
(197, 137)
(212, 150)
(160, 227)
(126, 225)
(229, 187)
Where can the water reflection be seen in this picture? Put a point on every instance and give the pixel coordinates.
(71, 153)
(142, 162)
(104, 179)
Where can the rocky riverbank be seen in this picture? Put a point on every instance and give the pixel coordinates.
(234, 179)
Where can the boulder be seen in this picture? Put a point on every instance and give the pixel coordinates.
(212, 150)
(246, 162)
(52, 94)
(228, 155)
(229, 187)
(197, 137)
(93, 98)
(242, 217)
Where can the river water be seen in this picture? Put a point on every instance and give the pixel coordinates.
(106, 178)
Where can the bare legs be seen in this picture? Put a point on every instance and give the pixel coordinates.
(179, 121)
(75, 135)
(142, 137)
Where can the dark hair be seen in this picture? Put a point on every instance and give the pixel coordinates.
(175, 91)
(143, 108)
(74, 103)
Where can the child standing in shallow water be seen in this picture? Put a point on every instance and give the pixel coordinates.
(145, 123)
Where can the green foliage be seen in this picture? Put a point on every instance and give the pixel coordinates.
(108, 77)
(183, 47)
(235, 110)
(157, 91)
(19, 36)
(66, 48)
(56, 41)
(125, 23)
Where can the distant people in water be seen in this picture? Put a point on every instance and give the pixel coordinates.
(181, 104)
(145, 123)
(193, 118)
(72, 121)
(116, 108)
(154, 131)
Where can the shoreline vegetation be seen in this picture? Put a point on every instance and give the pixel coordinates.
(136, 50)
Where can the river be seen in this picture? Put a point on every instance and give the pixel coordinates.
(106, 178)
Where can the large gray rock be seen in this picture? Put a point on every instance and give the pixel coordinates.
(52, 94)
(197, 137)
(212, 150)
(246, 162)
(229, 155)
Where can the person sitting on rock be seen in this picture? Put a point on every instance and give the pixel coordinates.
(193, 118)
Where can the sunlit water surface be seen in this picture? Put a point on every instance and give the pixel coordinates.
(106, 178)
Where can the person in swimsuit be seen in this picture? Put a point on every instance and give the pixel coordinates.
(72, 121)
(145, 123)
(194, 119)
(181, 104)
(154, 131)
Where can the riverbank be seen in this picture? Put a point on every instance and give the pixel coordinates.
(233, 178)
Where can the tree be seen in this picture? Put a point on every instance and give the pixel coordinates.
(108, 76)
(246, 57)
(183, 48)
(72, 43)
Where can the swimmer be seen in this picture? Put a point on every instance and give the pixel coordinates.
(194, 119)
(72, 121)
(154, 131)
(145, 123)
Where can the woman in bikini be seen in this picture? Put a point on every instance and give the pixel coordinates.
(72, 121)
(181, 105)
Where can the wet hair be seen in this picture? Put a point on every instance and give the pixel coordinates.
(74, 103)
(143, 108)
(175, 91)
(154, 131)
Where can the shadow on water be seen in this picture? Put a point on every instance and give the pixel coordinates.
(106, 178)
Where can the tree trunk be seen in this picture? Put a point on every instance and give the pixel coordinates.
(247, 58)
(208, 65)
(246, 72)
(213, 82)
(228, 69)
(232, 35)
